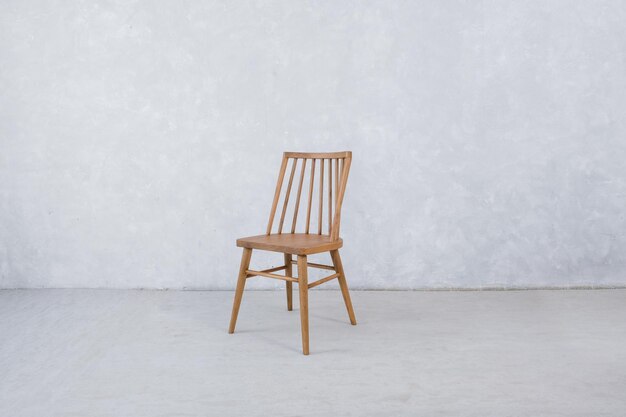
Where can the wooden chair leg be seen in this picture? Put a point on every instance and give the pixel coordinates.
(289, 273)
(343, 284)
(241, 283)
(303, 286)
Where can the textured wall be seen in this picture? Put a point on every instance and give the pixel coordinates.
(138, 140)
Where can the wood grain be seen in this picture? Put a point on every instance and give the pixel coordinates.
(295, 244)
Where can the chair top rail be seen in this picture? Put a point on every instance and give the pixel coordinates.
(318, 155)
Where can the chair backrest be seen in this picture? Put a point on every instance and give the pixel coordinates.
(337, 166)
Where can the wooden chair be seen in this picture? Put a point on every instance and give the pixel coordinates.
(290, 243)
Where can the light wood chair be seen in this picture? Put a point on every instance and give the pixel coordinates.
(337, 165)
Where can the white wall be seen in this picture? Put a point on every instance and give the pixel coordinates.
(138, 140)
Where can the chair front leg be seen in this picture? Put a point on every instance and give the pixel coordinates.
(241, 283)
(289, 273)
(303, 286)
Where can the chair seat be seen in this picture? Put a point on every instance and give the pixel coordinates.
(295, 244)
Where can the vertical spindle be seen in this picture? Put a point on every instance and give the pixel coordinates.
(308, 211)
(321, 193)
(286, 202)
(295, 213)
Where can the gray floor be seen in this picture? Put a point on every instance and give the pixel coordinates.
(167, 353)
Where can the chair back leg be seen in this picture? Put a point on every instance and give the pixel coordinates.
(343, 284)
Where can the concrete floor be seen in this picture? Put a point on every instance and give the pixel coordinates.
(167, 353)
